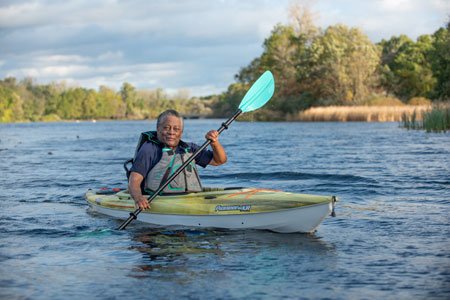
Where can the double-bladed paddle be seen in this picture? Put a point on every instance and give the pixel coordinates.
(259, 94)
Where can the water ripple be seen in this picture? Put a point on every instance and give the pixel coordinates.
(388, 240)
(292, 176)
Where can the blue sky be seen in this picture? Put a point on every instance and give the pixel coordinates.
(190, 45)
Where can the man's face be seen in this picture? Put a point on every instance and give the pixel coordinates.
(170, 131)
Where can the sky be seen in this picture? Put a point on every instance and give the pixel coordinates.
(194, 46)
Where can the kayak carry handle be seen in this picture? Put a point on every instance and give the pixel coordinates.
(333, 205)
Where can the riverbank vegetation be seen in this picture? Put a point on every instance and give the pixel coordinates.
(361, 113)
(436, 119)
(335, 73)
(27, 101)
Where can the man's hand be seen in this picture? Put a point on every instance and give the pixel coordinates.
(134, 187)
(219, 155)
(141, 202)
(213, 136)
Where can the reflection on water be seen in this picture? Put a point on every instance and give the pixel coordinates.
(167, 252)
(166, 243)
(181, 255)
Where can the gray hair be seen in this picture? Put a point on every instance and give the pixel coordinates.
(165, 114)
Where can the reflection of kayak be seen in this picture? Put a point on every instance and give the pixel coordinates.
(232, 208)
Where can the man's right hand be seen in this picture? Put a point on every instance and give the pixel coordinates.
(141, 202)
(134, 187)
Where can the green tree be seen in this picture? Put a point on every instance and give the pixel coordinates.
(414, 70)
(10, 103)
(227, 102)
(286, 53)
(344, 64)
(390, 49)
(110, 104)
(439, 56)
(129, 97)
(70, 106)
(89, 105)
(34, 99)
(153, 102)
(52, 94)
(406, 68)
(337, 66)
(280, 56)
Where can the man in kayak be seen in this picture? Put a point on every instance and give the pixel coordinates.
(163, 153)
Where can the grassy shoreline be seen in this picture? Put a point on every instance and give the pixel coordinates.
(411, 116)
(436, 119)
(360, 113)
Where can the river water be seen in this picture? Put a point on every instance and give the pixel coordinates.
(390, 238)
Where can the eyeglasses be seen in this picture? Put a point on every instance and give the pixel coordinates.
(175, 129)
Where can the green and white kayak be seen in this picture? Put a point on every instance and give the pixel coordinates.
(231, 208)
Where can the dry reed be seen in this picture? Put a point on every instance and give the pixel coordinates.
(360, 113)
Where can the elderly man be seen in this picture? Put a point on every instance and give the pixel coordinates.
(164, 153)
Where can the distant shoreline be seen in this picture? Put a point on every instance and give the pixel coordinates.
(314, 114)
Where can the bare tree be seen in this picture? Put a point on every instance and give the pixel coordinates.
(302, 18)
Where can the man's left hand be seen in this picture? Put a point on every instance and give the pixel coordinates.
(213, 136)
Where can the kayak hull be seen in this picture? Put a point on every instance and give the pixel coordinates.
(287, 212)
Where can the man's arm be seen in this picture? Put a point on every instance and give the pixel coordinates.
(134, 187)
(219, 154)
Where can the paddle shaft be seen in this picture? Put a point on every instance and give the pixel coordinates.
(133, 215)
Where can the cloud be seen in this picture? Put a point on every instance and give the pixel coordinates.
(179, 44)
(168, 44)
(396, 6)
(382, 19)
(110, 55)
(55, 59)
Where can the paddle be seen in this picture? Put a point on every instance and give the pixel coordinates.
(259, 93)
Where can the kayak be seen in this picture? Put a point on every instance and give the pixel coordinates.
(228, 208)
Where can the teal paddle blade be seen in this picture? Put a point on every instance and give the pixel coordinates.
(259, 93)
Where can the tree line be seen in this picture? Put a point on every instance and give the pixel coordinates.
(341, 66)
(26, 101)
(312, 67)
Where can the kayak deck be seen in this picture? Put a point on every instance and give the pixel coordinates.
(233, 208)
(213, 202)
